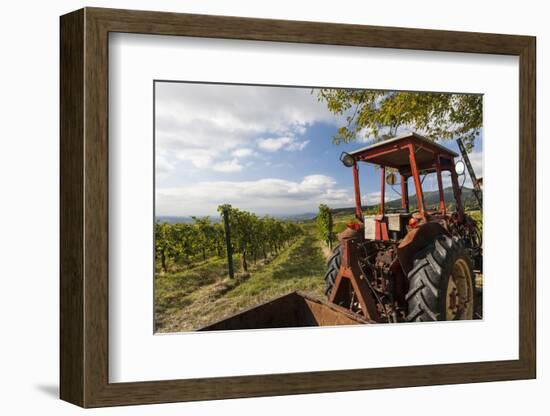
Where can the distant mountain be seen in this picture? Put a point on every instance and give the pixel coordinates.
(297, 217)
(431, 199)
(179, 220)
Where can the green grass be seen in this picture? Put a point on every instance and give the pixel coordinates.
(300, 267)
(193, 298)
(174, 291)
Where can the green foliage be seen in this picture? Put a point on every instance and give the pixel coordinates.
(194, 297)
(178, 243)
(478, 218)
(186, 244)
(325, 225)
(164, 247)
(378, 114)
(255, 237)
(204, 234)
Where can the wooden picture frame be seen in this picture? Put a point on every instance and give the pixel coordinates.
(84, 207)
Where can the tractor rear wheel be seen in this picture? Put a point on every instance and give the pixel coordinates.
(441, 283)
(333, 266)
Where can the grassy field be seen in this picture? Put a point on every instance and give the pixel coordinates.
(191, 299)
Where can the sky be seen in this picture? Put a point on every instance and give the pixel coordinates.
(264, 149)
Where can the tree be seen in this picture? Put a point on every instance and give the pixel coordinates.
(239, 223)
(164, 246)
(252, 236)
(205, 234)
(243, 220)
(379, 114)
(219, 239)
(325, 225)
(184, 239)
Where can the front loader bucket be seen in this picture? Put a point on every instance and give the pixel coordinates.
(295, 309)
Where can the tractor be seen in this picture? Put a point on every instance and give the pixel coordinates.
(413, 262)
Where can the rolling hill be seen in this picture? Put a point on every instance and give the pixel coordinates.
(431, 199)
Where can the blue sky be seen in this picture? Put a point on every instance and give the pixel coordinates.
(267, 150)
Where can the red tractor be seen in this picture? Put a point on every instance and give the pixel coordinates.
(403, 264)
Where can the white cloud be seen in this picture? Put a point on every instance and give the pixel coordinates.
(237, 107)
(476, 159)
(371, 198)
(228, 166)
(281, 143)
(300, 128)
(271, 195)
(430, 181)
(272, 145)
(163, 166)
(312, 183)
(203, 123)
(200, 158)
(243, 152)
(298, 145)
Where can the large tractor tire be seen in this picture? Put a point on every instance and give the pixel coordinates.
(441, 283)
(333, 266)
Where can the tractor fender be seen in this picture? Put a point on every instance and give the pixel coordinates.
(416, 240)
(349, 233)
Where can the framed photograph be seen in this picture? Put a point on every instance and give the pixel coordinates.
(255, 207)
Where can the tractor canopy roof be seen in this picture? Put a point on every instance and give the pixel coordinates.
(395, 152)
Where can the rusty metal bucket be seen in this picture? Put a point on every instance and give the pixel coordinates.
(295, 309)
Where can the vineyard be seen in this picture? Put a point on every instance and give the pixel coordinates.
(184, 245)
(193, 286)
(272, 257)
